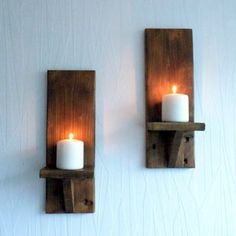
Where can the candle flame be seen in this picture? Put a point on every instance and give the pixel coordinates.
(71, 135)
(174, 88)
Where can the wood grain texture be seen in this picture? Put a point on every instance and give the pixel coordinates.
(66, 174)
(71, 108)
(168, 62)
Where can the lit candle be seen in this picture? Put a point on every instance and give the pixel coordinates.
(70, 153)
(175, 107)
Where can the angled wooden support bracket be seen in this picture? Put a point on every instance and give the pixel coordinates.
(175, 149)
(180, 151)
(68, 192)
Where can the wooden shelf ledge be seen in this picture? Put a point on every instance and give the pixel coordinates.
(175, 126)
(66, 174)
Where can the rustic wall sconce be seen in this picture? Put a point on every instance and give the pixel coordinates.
(170, 122)
(69, 170)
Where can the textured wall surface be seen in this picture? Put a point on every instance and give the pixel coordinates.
(108, 36)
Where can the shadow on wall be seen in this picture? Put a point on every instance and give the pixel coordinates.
(20, 183)
(19, 179)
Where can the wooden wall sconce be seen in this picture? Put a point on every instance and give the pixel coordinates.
(169, 61)
(70, 108)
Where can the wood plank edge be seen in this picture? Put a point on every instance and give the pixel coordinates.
(160, 126)
(63, 212)
(47, 173)
(167, 167)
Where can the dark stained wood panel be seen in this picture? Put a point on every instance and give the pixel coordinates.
(168, 62)
(71, 108)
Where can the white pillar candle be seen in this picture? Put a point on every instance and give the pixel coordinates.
(175, 107)
(70, 154)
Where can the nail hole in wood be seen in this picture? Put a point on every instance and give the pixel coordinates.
(187, 139)
(88, 202)
(185, 161)
(153, 146)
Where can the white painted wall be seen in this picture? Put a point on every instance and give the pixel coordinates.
(108, 36)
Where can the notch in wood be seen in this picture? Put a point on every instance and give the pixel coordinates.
(169, 61)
